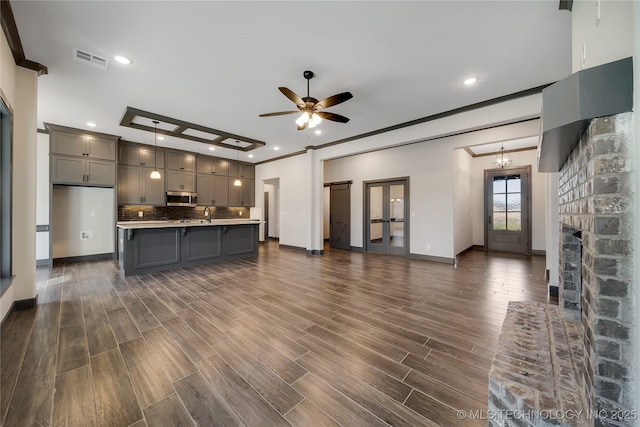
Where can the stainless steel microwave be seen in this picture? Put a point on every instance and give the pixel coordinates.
(181, 198)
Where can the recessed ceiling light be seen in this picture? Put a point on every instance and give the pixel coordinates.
(250, 156)
(212, 148)
(122, 59)
(91, 124)
(470, 81)
(276, 148)
(161, 138)
(318, 132)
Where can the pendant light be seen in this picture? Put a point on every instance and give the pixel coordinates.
(237, 182)
(502, 160)
(155, 174)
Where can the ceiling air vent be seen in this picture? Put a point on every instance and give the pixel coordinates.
(91, 59)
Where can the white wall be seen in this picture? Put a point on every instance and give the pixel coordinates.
(20, 87)
(42, 195)
(291, 174)
(609, 40)
(429, 168)
(538, 197)
(463, 212)
(83, 209)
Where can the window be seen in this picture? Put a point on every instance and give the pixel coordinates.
(5, 194)
(507, 206)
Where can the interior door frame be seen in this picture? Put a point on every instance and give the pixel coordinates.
(366, 213)
(488, 191)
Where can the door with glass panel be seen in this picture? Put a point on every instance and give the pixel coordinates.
(386, 220)
(508, 210)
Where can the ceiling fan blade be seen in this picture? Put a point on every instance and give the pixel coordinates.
(334, 100)
(292, 96)
(279, 113)
(332, 116)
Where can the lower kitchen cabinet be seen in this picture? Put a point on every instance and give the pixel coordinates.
(144, 250)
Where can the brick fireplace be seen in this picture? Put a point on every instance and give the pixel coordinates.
(570, 365)
(596, 200)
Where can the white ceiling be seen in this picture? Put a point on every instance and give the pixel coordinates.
(219, 64)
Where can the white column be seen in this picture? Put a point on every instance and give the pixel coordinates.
(314, 203)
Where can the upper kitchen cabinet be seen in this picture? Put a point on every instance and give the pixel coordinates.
(241, 170)
(212, 165)
(80, 157)
(76, 142)
(136, 187)
(181, 181)
(140, 155)
(182, 161)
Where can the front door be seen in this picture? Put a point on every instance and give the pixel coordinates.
(508, 209)
(386, 229)
(340, 216)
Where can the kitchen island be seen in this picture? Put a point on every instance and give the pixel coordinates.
(152, 246)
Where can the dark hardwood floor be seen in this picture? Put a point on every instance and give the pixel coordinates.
(345, 339)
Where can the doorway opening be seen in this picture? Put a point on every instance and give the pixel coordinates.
(386, 222)
(508, 209)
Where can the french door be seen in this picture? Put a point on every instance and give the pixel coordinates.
(386, 220)
(508, 210)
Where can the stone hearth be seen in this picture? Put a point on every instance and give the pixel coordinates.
(534, 377)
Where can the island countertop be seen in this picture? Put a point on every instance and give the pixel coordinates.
(135, 225)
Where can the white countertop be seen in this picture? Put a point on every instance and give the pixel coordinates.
(194, 223)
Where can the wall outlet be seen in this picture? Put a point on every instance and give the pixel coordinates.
(86, 235)
(140, 214)
(240, 213)
(428, 246)
(93, 214)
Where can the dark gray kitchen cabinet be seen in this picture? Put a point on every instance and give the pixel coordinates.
(247, 171)
(79, 157)
(182, 161)
(135, 186)
(244, 195)
(241, 170)
(212, 190)
(212, 165)
(83, 145)
(178, 180)
(140, 156)
(84, 171)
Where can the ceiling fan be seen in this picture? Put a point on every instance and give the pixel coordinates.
(310, 107)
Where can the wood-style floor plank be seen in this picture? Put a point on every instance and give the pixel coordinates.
(343, 339)
(169, 355)
(123, 327)
(73, 403)
(148, 379)
(204, 405)
(307, 414)
(72, 348)
(168, 413)
(115, 399)
(245, 402)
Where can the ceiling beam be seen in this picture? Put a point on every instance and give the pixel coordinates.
(566, 5)
(10, 30)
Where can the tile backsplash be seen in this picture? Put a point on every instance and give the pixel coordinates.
(153, 213)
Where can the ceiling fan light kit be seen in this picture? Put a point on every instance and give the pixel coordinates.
(309, 106)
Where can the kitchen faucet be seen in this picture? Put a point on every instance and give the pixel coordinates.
(207, 213)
